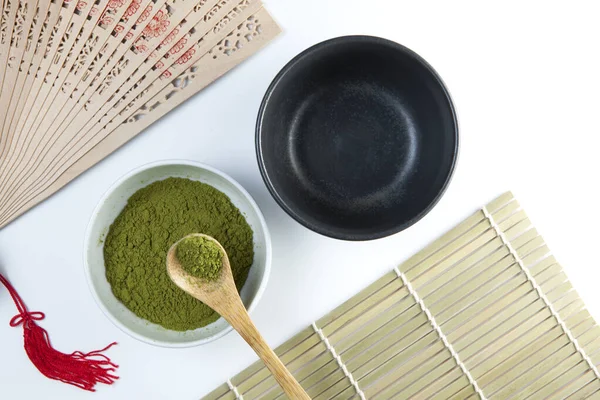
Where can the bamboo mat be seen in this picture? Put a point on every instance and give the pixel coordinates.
(483, 312)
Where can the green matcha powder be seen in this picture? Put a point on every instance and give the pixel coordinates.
(200, 257)
(137, 243)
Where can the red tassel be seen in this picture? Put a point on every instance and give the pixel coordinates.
(79, 369)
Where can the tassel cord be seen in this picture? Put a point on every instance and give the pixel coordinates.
(79, 369)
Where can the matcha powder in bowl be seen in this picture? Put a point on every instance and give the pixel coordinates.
(137, 243)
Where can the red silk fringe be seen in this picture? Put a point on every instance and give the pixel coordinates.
(83, 370)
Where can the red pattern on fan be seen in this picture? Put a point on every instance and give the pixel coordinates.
(132, 9)
(177, 47)
(116, 3)
(106, 20)
(145, 14)
(157, 26)
(118, 29)
(187, 56)
(170, 37)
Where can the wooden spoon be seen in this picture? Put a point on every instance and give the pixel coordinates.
(222, 296)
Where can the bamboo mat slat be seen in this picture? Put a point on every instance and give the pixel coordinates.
(483, 312)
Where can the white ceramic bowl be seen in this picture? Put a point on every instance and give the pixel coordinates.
(109, 208)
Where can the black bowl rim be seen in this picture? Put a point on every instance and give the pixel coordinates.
(332, 233)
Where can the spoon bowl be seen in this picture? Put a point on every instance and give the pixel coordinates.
(205, 291)
(215, 294)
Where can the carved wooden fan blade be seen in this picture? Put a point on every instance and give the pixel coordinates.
(83, 77)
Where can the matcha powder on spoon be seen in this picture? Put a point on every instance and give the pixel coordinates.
(137, 243)
(200, 257)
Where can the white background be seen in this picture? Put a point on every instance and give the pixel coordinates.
(525, 79)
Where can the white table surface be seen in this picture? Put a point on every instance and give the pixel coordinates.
(525, 79)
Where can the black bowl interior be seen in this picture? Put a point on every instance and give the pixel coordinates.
(357, 138)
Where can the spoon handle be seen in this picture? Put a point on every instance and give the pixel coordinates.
(241, 322)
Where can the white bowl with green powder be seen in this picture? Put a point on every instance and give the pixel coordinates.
(136, 222)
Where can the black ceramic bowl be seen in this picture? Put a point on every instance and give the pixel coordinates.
(357, 138)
